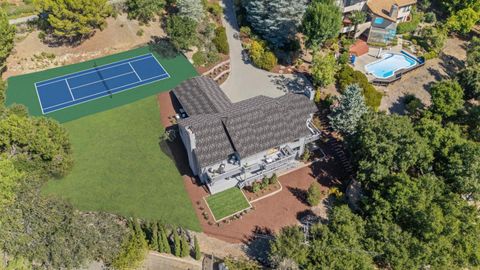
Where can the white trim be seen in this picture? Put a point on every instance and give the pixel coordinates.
(134, 71)
(103, 95)
(69, 89)
(104, 80)
(95, 69)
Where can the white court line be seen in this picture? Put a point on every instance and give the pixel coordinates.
(69, 89)
(145, 56)
(103, 92)
(166, 72)
(38, 96)
(104, 80)
(134, 71)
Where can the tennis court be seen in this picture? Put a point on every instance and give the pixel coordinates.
(79, 87)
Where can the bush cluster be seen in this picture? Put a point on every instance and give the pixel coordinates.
(261, 56)
(348, 76)
(220, 40)
(410, 26)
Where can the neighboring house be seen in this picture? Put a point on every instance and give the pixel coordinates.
(382, 17)
(386, 14)
(233, 144)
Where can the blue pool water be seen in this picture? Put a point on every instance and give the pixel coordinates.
(378, 20)
(390, 62)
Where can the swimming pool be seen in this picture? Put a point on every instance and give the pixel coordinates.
(389, 64)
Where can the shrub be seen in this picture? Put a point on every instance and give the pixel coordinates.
(344, 58)
(410, 26)
(373, 98)
(412, 104)
(199, 58)
(220, 40)
(261, 57)
(430, 17)
(273, 180)
(245, 31)
(268, 61)
(256, 187)
(264, 183)
(140, 32)
(313, 195)
(215, 9)
(348, 76)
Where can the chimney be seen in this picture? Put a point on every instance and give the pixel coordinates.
(394, 11)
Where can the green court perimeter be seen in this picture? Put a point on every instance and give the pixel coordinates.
(120, 167)
(227, 203)
(21, 89)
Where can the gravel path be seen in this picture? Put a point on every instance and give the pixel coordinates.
(245, 80)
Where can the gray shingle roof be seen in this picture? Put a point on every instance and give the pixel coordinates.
(253, 125)
(201, 95)
(212, 143)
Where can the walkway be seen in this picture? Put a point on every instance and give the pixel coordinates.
(245, 80)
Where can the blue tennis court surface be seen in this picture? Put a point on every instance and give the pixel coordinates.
(65, 91)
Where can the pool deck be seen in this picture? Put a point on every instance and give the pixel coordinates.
(371, 57)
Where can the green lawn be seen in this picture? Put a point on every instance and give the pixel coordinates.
(21, 89)
(120, 168)
(227, 203)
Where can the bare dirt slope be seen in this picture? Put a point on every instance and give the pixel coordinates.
(119, 35)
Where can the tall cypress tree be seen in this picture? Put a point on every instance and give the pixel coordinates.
(177, 249)
(165, 243)
(184, 246)
(197, 252)
(154, 236)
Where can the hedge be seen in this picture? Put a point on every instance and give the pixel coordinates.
(348, 76)
(220, 40)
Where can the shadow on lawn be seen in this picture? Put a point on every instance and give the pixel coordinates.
(175, 151)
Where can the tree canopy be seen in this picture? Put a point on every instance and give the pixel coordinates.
(351, 107)
(144, 10)
(384, 145)
(74, 19)
(181, 31)
(275, 20)
(322, 21)
(447, 98)
(192, 9)
(7, 36)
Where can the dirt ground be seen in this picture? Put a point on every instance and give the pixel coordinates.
(118, 36)
(419, 81)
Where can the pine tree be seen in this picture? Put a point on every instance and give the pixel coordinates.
(7, 35)
(71, 19)
(184, 246)
(177, 249)
(351, 108)
(276, 20)
(197, 252)
(154, 236)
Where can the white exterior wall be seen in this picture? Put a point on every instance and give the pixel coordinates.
(403, 13)
(188, 139)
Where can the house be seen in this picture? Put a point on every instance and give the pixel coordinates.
(234, 144)
(382, 17)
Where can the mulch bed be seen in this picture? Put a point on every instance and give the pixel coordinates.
(251, 196)
(201, 70)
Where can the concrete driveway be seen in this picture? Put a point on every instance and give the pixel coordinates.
(245, 80)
